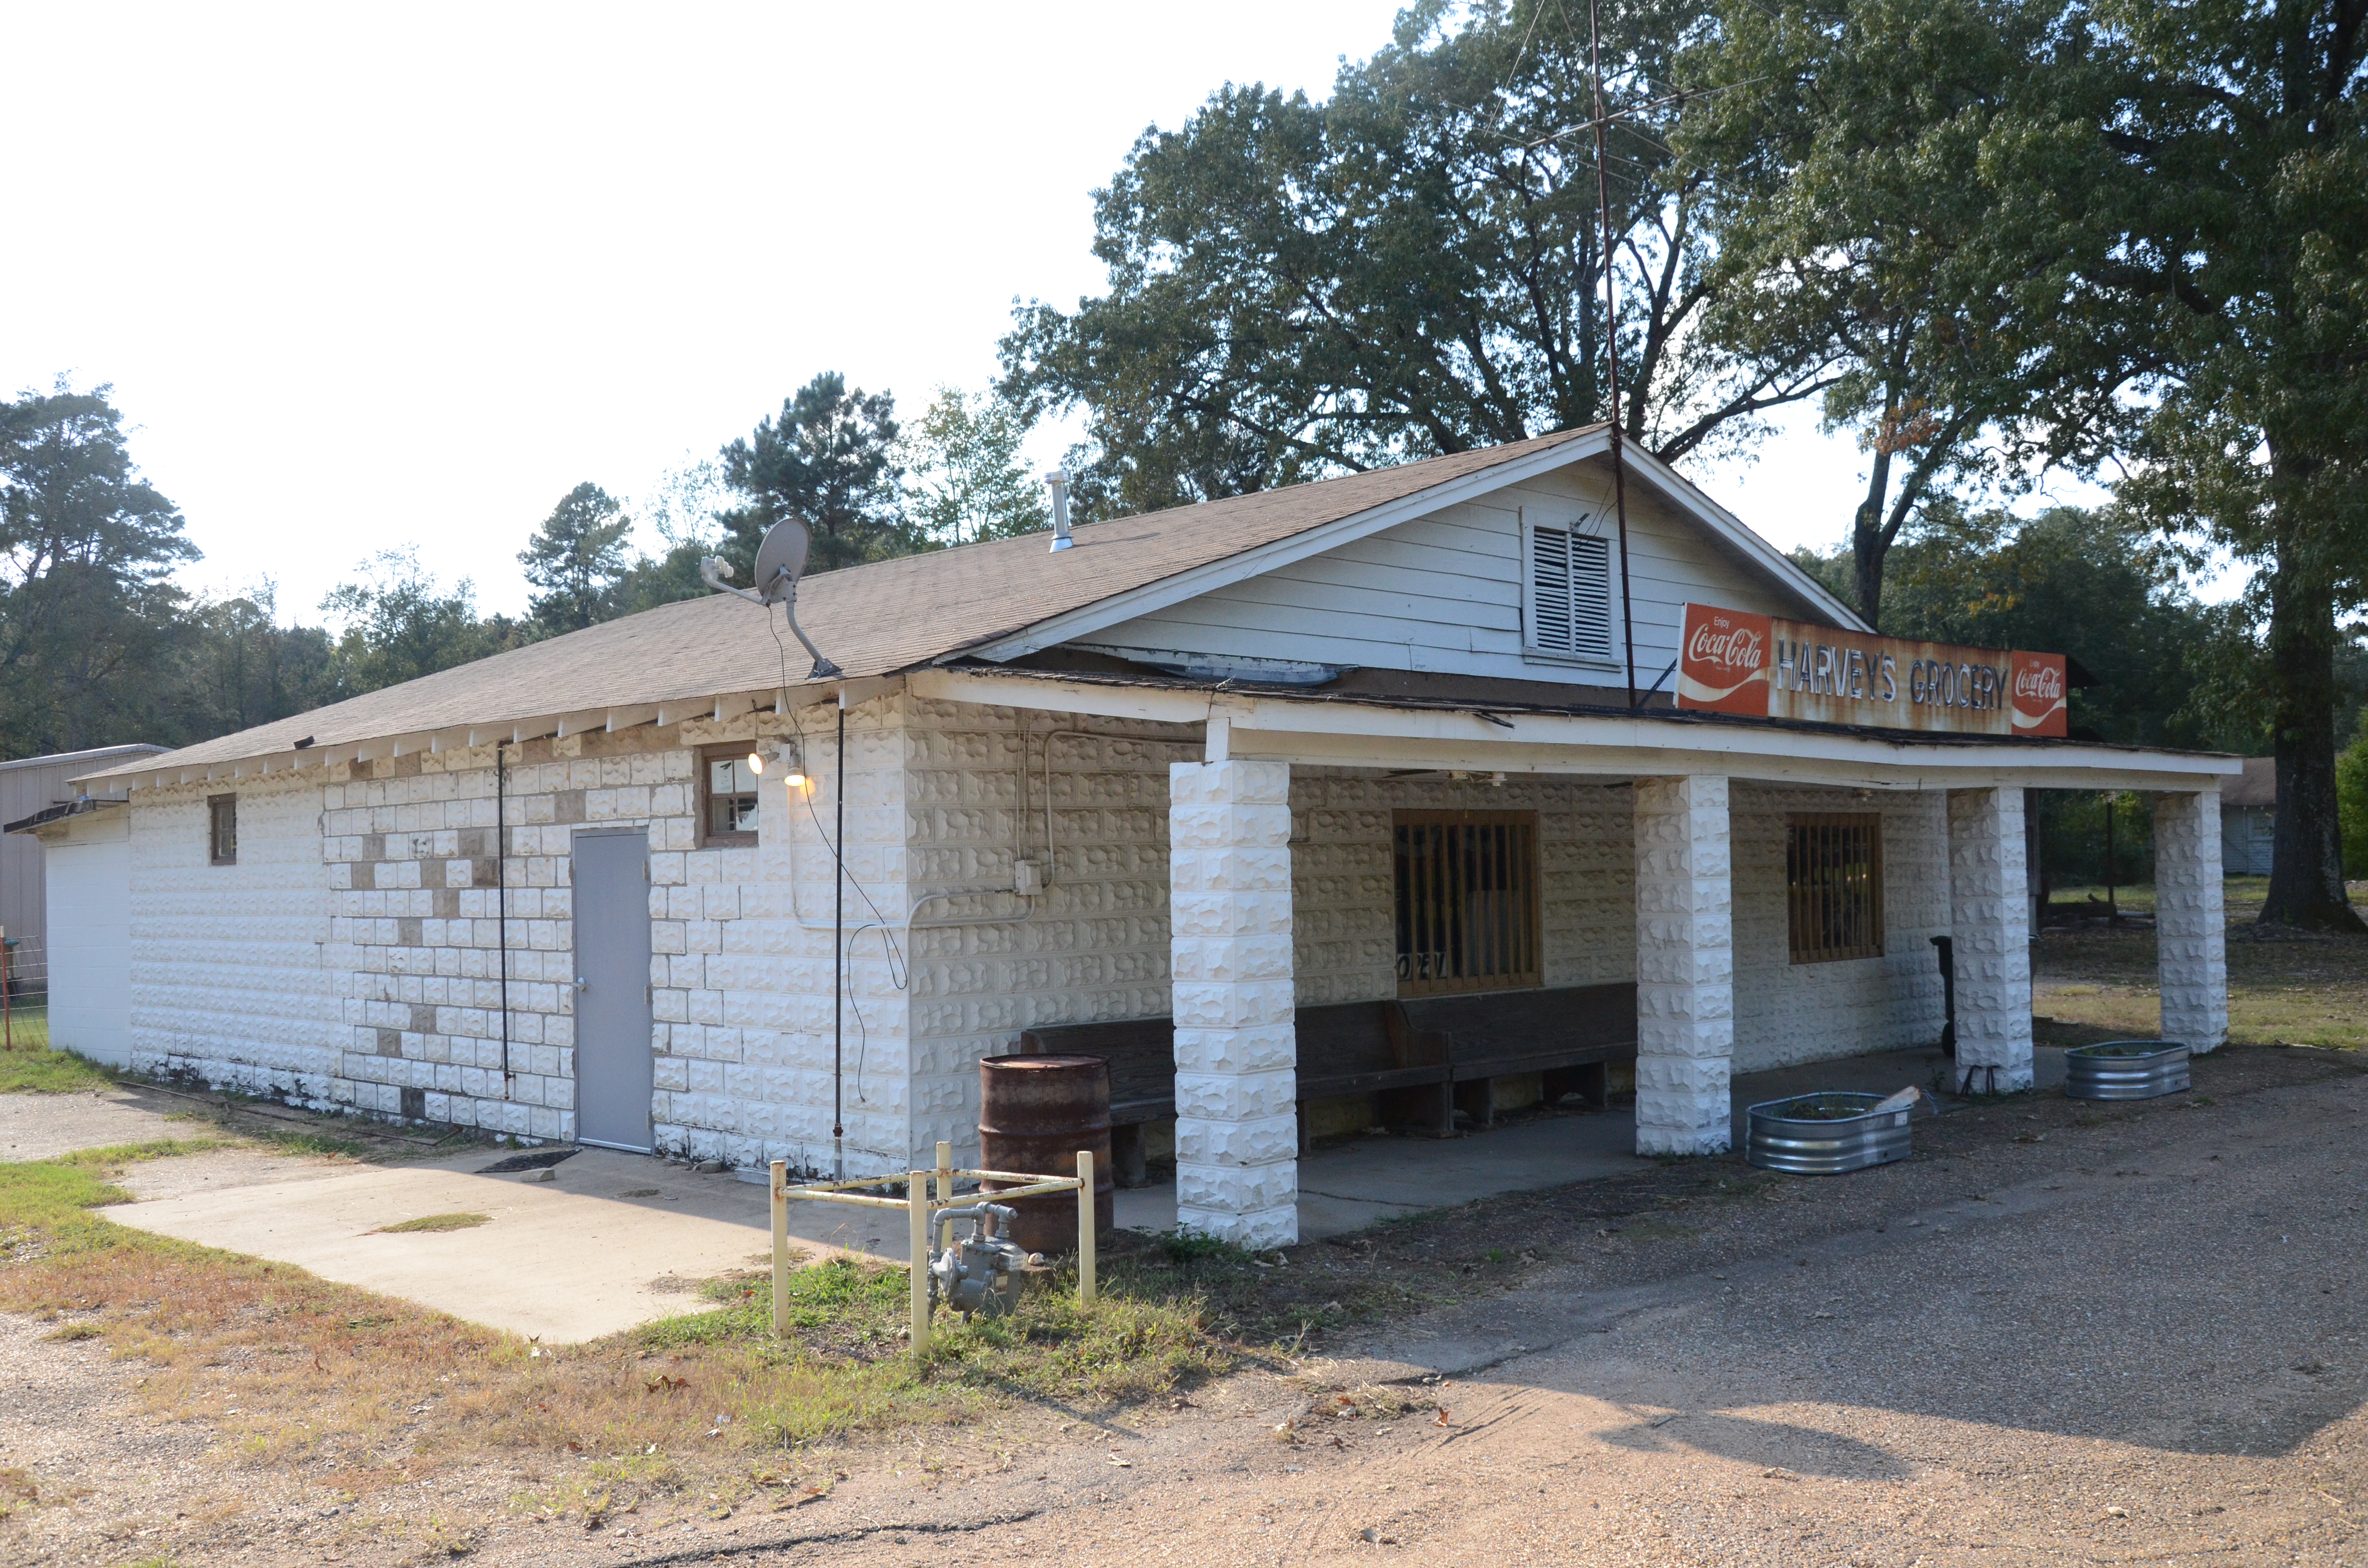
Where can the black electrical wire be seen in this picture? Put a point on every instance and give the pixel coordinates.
(502, 898)
(837, 961)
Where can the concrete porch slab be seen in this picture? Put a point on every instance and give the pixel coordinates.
(1350, 1186)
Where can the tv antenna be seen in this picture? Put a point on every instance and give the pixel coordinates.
(780, 562)
(1611, 351)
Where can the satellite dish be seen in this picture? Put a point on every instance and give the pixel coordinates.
(781, 559)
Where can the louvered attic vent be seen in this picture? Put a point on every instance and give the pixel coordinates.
(1570, 592)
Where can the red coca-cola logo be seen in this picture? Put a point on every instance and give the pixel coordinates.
(1738, 648)
(2040, 683)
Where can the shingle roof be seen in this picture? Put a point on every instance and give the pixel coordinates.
(872, 620)
(2257, 787)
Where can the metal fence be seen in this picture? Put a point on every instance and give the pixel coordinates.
(25, 996)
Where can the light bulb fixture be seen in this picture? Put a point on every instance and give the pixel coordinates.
(756, 762)
(796, 779)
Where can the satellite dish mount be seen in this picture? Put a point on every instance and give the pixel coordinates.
(780, 562)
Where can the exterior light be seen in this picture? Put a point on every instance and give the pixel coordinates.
(796, 780)
(756, 762)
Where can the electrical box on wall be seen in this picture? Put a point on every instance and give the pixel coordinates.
(1027, 879)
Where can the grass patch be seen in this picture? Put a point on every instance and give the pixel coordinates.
(115, 1156)
(35, 1069)
(434, 1222)
(2282, 988)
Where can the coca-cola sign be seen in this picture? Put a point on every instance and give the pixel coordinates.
(1736, 661)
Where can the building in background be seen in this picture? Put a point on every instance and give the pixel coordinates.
(28, 786)
(2249, 819)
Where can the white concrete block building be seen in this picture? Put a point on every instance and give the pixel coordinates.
(1348, 742)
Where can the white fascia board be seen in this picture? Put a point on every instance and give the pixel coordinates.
(1355, 734)
(1192, 583)
(1051, 694)
(1740, 536)
(1612, 763)
(1740, 750)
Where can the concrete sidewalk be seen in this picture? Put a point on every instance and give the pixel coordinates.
(611, 1241)
(617, 1240)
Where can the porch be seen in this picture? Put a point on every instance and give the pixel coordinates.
(1770, 892)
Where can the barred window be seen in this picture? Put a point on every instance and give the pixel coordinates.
(222, 830)
(1833, 882)
(727, 797)
(1467, 900)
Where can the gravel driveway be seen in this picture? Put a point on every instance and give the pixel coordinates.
(2058, 1336)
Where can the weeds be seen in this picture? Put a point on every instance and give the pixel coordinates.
(39, 1070)
(434, 1222)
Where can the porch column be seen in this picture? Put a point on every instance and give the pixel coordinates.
(1990, 909)
(1236, 1053)
(1685, 967)
(2191, 931)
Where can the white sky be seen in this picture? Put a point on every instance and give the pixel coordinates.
(365, 279)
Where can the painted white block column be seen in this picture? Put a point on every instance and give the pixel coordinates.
(1685, 967)
(1237, 1052)
(2189, 926)
(1990, 909)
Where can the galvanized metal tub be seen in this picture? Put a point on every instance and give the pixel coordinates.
(2126, 1070)
(1035, 1114)
(1824, 1145)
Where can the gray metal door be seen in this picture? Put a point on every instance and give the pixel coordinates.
(613, 1064)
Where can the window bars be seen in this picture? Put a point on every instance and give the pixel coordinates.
(1833, 886)
(1467, 901)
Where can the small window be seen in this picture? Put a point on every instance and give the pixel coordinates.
(727, 807)
(1467, 900)
(1568, 592)
(222, 829)
(1833, 882)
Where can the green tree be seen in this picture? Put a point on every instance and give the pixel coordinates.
(2352, 802)
(577, 558)
(2097, 585)
(965, 480)
(2191, 199)
(399, 623)
(1413, 266)
(1843, 143)
(240, 667)
(89, 611)
(829, 457)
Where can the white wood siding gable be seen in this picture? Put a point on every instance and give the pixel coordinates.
(1445, 591)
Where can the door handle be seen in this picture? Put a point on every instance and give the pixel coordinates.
(582, 983)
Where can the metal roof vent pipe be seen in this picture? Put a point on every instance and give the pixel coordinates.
(1057, 481)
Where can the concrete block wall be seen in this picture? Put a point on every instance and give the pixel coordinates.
(1788, 1012)
(235, 976)
(744, 998)
(354, 952)
(1342, 873)
(987, 963)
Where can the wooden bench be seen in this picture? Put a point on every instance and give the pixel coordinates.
(1351, 1048)
(1367, 1048)
(1568, 1034)
(1142, 1057)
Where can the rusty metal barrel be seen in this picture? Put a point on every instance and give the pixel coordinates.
(1035, 1114)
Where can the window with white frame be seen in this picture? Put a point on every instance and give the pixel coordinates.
(1566, 593)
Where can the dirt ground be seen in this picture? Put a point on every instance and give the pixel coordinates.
(2060, 1331)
